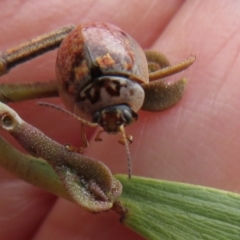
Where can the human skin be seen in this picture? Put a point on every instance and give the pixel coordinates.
(197, 141)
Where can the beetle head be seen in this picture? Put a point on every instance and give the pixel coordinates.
(112, 118)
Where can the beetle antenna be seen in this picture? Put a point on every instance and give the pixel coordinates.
(129, 159)
(81, 120)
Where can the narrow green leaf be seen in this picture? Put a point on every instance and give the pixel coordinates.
(88, 181)
(168, 210)
(156, 209)
(33, 170)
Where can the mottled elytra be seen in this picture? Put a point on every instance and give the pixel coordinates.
(102, 76)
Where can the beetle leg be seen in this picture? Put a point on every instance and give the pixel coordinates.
(121, 141)
(98, 138)
(84, 138)
(32, 49)
(129, 138)
(85, 143)
(158, 94)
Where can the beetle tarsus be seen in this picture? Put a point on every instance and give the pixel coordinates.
(98, 138)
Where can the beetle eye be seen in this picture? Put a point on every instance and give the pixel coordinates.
(127, 116)
(96, 117)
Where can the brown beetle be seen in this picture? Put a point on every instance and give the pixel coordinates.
(103, 76)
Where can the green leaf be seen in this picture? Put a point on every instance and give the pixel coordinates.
(33, 170)
(87, 181)
(169, 210)
(156, 209)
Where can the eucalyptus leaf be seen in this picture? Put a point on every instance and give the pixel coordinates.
(170, 210)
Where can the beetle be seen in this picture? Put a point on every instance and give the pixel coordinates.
(102, 76)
